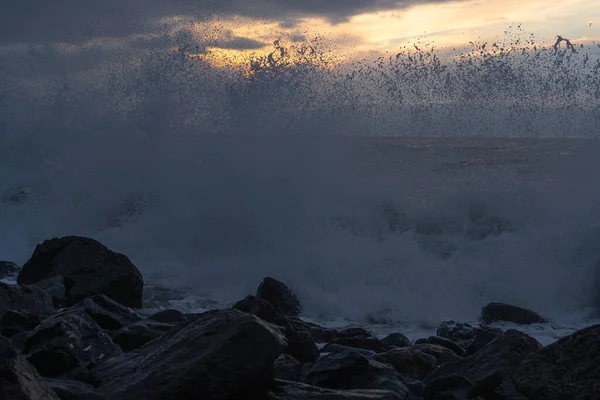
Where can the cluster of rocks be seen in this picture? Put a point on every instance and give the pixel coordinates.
(68, 330)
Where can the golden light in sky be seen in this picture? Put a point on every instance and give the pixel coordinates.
(446, 25)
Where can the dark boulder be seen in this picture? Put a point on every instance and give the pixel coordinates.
(15, 322)
(320, 334)
(168, 317)
(72, 390)
(302, 346)
(355, 371)
(566, 369)
(287, 368)
(8, 269)
(368, 343)
(107, 313)
(409, 362)
(495, 312)
(447, 343)
(262, 308)
(286, 390)
(483, 336)
(18, 378)
(495, 363)
(29, 298)
(340, 350)
(449, 387)
(224, 354)
(396, 339)
(280, 296)
(139, 333)
(88, 268)
(55, 287)
(442, 354)
(67, 341)
(354, 333)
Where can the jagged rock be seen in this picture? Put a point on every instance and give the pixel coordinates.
(302, 346)
(320, 334)
(168, 317)
(8, 269)
(287, 368)
(262, 308)
(55, 287)
(396, 339)
(107, 313)
(139, 333)
(286, 390)
(224, 354)
(409, 361)
(566, 369)
(495, 312)
(368, 343)
(18, 378)
(66, 341)
(339, 349)
(355, 371)
(456, 331)
(500, 358)
(440, 341)
(483, 336)
(72, 390)
(442, 354)
(15, 322)
(280, 296)
(88, 268)
(28, 298)
(449, 387)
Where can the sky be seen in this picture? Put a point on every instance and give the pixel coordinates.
(234, 29)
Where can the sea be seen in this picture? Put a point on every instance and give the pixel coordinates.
(393, 196)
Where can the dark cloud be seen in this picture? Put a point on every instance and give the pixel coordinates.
(240, 43)
(74, 21)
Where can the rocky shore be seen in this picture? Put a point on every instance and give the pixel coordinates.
(71, 329)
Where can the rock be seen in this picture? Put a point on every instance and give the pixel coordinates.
(261, 308)
(396, 340)
(15, 322)
(302, 347)
(139, 333)
(224, 354)
(368, 343)
(280, 296)
(354, 333)
(18, 378)
(287, 368)
(88, 268)
(55, 287)
(566, 369)
(107, 313)
(28, 298)
(409, 361)
(500, 358)
(447, 343)
(339, 349)
(72, 390)
(168, 317)
(18, 340)
(286, 390)
(8, 269)
(449, 387)
(355, 371)
(456, 331)
(442, 354)
(483, 336)
(495, 312)
(320, 334)
(66, 341)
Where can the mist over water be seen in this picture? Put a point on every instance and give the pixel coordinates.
(212, 178)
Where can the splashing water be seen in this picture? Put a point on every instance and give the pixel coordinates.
(211, 177)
